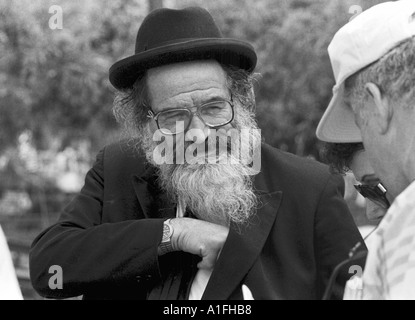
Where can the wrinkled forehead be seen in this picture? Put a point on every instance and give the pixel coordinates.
(186, 79)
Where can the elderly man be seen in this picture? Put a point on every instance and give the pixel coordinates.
(373, 58)
(159, 218)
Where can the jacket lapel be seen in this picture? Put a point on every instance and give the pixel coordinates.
(143, 195)
(243, 246)
(146, 193)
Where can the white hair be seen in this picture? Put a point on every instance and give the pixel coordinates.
(394, 74)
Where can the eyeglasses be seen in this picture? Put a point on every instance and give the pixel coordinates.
(375, 193)
(214, 114)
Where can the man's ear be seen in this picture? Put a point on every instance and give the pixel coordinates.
(384, 111)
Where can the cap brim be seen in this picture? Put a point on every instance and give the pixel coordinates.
(337, 124)
(125, 72)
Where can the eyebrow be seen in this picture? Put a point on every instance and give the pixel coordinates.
(213, 98)
(204, 101)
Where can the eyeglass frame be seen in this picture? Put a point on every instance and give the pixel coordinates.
(380, 191)
(152, 115)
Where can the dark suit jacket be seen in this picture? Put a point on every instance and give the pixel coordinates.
(106, 239)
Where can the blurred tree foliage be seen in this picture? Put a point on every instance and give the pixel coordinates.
(55, 82)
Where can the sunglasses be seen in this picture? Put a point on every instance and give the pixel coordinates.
(375, 193)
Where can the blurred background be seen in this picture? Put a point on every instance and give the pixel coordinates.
(55, 97)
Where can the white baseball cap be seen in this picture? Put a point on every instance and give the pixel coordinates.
(359, 43)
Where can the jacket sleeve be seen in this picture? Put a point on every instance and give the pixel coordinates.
(91, 253)
(335, 235)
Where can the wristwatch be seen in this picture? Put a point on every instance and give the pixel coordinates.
(165, 245)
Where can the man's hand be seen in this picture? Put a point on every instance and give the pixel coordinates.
(199, 237)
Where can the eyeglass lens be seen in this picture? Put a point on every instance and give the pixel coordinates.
(213, 114)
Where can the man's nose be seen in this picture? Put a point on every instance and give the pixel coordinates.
(197, 132)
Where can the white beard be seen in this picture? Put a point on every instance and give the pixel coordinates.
(219, 193)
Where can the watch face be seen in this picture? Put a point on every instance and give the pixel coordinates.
(166, 232)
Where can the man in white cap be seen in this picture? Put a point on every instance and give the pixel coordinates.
(373, 58)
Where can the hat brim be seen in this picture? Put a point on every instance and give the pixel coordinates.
(234, 52)
(338, 124)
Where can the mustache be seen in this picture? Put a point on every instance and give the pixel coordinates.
(221, 147)
(209, 145)
(174, 150)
